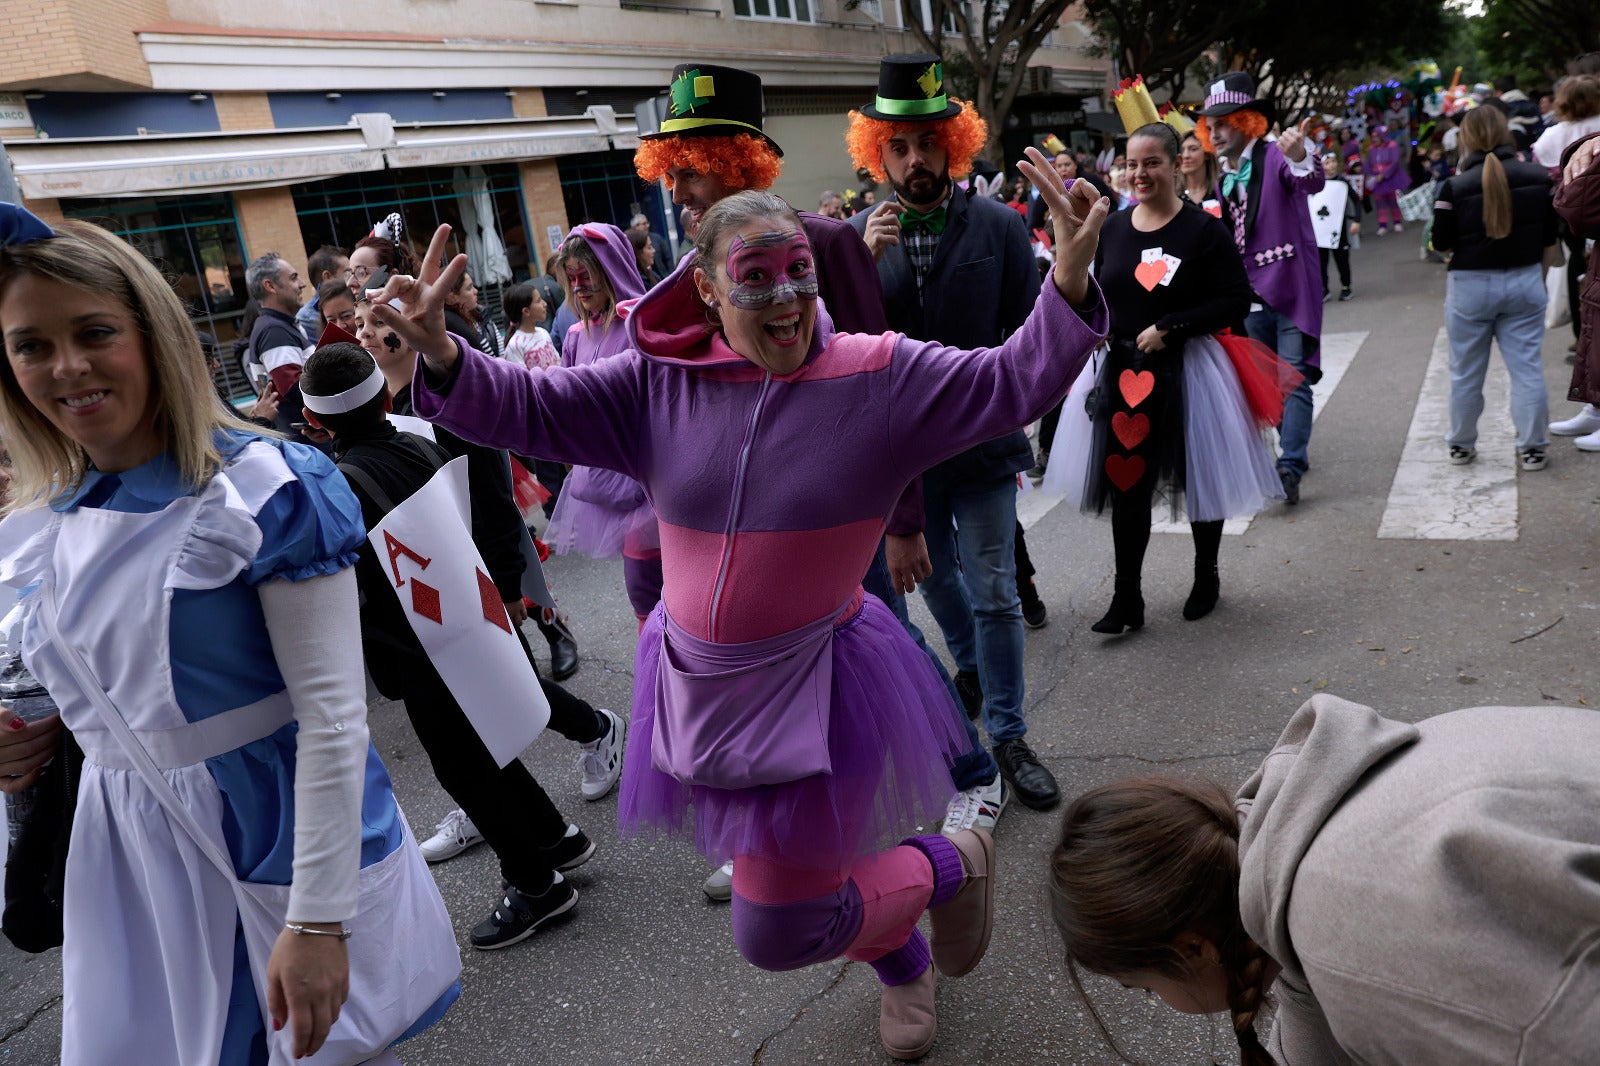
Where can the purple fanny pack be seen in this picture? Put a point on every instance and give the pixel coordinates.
(741, 715)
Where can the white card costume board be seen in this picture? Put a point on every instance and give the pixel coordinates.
(425, 547)
(1327, 213)
(534, 586)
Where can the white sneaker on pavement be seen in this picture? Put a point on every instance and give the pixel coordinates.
(1589, 442)
(456, 834)
(719, 886)
(1585, 423)
(976, 808)
(600, 763)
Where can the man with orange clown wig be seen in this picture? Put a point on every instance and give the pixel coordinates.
(712, 145)
(958, 270)
(1264, 189)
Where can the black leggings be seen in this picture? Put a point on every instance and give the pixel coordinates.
(1130, 536)
(1341, 256)
(1577, 263)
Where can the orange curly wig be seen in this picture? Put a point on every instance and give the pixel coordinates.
(961, 136)
(741, 161)
(1253, 124)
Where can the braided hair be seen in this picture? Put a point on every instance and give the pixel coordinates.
(1141, 863)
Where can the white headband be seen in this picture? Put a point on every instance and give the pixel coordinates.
(348, 400)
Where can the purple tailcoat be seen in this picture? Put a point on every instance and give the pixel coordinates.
(1280, 249)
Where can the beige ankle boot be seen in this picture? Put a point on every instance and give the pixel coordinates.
(906, 1019)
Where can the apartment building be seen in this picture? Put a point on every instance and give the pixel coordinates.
(210, 131)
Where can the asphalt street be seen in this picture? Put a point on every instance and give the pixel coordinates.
(1312, 600)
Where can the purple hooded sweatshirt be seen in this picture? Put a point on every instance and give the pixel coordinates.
(771, 491)
(601, 512)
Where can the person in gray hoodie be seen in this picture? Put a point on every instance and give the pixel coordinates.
(1422, 894)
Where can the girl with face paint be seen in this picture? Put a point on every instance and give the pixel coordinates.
(781, 716)
(599, 512)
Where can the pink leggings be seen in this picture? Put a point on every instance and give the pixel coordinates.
(1387, 204)
(785, 917)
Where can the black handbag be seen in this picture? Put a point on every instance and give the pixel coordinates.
(36, 864)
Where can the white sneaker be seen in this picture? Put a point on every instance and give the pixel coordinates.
(1585, 423)
(719, 886)
(600, 763)
(1589, 442)
(456, 834)
(976, 808)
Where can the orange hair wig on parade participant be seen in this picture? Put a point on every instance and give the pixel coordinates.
(961, 136)
(1253, 124)
(741, 161)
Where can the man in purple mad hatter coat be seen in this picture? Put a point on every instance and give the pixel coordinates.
(1265, 186)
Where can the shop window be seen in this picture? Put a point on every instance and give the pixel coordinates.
(776, 10)
(194, 241)
(342, 210)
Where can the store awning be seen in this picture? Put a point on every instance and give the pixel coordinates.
(217, 162)
(139, 166)
(451, 143)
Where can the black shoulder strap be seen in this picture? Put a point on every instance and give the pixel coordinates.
(432, 453)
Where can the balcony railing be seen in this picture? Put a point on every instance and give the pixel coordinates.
(669, 7)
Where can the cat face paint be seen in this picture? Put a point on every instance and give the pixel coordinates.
(770, 268)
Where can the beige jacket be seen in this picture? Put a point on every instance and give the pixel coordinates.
(1432, 891)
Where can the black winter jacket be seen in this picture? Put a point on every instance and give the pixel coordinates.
(1458, 216)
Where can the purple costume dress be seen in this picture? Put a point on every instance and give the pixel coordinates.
(601, 512)
(780, 715)
(1386, 178)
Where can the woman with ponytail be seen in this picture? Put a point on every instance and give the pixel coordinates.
(1422, 894)
(1496, 216)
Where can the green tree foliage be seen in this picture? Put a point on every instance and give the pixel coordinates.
(1534, 39)
(1163, 39)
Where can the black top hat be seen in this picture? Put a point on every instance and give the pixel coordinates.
(911, 89)
(1235, 91)
(705, 100)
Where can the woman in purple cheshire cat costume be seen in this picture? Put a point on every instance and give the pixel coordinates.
(1386, 177)
(601, 512)
(790, 712)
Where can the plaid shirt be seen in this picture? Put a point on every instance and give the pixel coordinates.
(920, 244)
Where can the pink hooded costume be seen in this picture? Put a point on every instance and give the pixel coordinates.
(601, 512)
(778, 711)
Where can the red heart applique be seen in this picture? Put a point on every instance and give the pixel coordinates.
(1124, 472)
(1136, 388)
(1150, 274)
(1130, 430)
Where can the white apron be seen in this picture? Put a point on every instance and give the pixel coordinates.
(151, 900)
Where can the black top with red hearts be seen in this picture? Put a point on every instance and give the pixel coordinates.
(1186, 278)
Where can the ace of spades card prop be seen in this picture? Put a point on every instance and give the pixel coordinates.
(425, 546)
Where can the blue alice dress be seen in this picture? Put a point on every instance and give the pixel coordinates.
(155, 585)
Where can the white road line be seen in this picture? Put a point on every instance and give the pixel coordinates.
(1432, 500)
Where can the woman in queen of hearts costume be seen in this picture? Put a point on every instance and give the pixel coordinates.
(779, 715)
(237, 865)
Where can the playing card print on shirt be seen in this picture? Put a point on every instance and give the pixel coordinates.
(1156, 268)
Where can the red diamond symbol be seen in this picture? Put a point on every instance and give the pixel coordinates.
(493, 609)
(425, 601)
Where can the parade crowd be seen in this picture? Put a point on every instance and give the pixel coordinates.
(781, 429)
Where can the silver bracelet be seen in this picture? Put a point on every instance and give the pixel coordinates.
(302, 930)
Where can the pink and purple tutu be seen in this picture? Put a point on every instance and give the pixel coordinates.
(892, 737)
(603, 514)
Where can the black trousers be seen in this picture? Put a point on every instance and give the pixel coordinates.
(1577, 263)
(1341, 256)
(510, 809)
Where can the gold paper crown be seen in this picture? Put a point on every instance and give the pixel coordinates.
(1176, 119)
(1134, 104)
(1053, 145)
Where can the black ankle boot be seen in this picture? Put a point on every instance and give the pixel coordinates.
(1125, 613)
(1203, 597)
(563, 646)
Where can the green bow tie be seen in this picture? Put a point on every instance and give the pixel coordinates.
(932, 221)
(1238, 177)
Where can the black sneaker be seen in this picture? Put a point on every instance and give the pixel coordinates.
(1534, 459)
(520, 915)
(971, 693)
(1461, 456)
(1034, 614)
(571, 851)
(1291, 486)
(1345, 294)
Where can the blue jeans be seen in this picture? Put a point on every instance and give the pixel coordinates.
(1497, 305)
(971, 532)
(1280, 334)
(977, 766)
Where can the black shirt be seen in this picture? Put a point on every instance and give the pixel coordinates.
(1207, 291)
